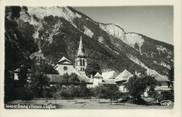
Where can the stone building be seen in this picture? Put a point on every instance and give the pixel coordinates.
(81, 59)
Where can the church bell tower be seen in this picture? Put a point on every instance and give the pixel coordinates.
(81, 59)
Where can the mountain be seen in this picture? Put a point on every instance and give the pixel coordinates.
(57, 32)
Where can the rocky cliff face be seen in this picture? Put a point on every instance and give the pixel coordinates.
(57, 31)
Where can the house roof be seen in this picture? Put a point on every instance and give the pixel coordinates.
(38, 54)
(161, 78)
(109, 74)
(17, 70)
(160, 88)
(124, 76)
(98, 75)
(157, 76)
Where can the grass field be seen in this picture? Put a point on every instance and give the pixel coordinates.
(87, 104)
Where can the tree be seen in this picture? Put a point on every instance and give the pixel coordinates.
(73, 79)
(92, 68)
(137, 86)
(40, 85)
(65, 79)
(72, 91)
(48, 69)
(83, 91)
(23, 75)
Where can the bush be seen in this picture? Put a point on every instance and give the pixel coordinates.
(23, 93)
(70, 79)
(73, 91)
(73, 79)
(40, 86)
(107, 92)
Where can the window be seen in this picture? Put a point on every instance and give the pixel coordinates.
(83, 62)
(65, 68)
(80, 62)
(82, 69)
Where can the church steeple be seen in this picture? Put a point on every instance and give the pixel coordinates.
(81, 60)
(81, 49)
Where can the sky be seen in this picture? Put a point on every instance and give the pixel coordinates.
(153, 21)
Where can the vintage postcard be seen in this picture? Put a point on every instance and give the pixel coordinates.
(72, 58)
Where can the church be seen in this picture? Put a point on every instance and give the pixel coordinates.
(64, 65)
(81, 59)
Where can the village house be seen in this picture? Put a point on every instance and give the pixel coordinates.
(163, 84)
(65, 66)
(15, 74)
(122, 79)
(96, 80)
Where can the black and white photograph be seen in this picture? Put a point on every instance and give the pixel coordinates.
(104, 57)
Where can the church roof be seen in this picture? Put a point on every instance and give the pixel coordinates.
(80, 48)
(124, 76)
(64, 61)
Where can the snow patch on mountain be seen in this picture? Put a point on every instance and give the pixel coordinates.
(149, 71)
(161, 49)
(101, 39)
(88, 32)
(113, 30)
(133, 40)
(165, 65)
